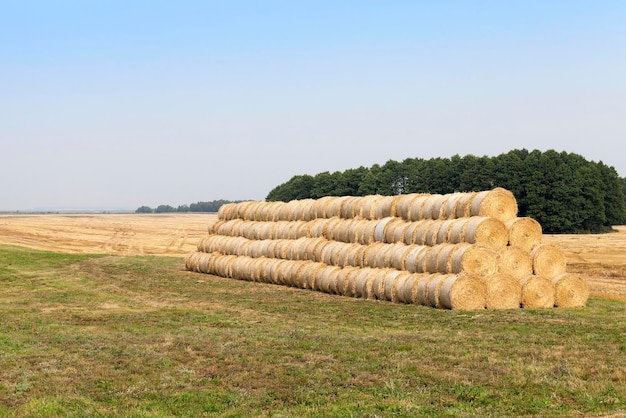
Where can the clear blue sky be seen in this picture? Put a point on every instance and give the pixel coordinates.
(128, 103)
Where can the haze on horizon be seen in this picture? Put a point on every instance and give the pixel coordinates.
(123, 104)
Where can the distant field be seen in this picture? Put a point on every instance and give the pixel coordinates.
(600, 258)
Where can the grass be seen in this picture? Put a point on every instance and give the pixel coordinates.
(93, 336)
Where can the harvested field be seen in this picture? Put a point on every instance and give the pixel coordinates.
(599, 258)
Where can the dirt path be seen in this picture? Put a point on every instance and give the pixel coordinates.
(600, 258)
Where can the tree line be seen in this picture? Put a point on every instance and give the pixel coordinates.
(212, 206)
(563, 191)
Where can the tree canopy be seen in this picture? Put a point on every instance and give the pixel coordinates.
(563, 191)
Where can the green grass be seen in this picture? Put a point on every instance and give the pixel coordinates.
(92, 336)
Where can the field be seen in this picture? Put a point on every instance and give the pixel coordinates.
(100, 318)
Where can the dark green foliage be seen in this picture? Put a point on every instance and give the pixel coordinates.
(212, 206)
(562, 191)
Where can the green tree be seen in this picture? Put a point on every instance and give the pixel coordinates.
(144, 209)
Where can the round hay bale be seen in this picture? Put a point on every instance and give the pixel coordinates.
(399, 255)
(384, 255)
(309, 212)
(498, 203)
(388, 284)
(410, 232)
(464, 205)
(456, 231)
(368, 208)
(316, 227)
(381, 226)
(364, 282)
(397, 290)
(416, 208)
(443, 236)
(313, 272)
(341, 256)
(367, 231)
(485, 230)
(342, 230)
(342, 282)
(570, 290)
(227, 211)
(430, 238)
(537, 292)
(449, 206)
(548, 260)
(524, 233)
(331, 226)
(395, 231)
(413, 256)
(403, 204)
(444, 258)
(503, 291)
(348, 206)
(432, 206)
(421, 297)
(421, 263)
(473, 259)
(320, 206)
(382, 209)
(514, 261)
(463, 292)
(301, 273)
(408, 292)
(371, 253)
(433, 290)
(430, 260)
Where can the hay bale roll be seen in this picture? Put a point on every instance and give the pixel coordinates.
(421, 297)
(503, 291)
(537, 292)
(464, 205)
(514, 261)
(463, 292)
(570, 291)
(548, 260)
(498, 203)
(416, 208)
(484, 230)
(473, 259)
(434, 289)
(524, 233)
(403, 205)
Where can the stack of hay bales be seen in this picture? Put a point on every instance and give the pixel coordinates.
(462, 251)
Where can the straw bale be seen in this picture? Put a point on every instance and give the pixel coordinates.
(497, 203)
(432, 206)
(386, 286)
(404, 203)
(413, 257)
(421, 262)
(514, 261)
(548, 260)
(449, 207)
(317, 226)
(434, 288)
(421, 296)
(570, 290)
(416, 208)
(331, 225)
(464, 205)
(399, 255)
(524, 233)
(371, 253)
(503, 291)
(363, 282)
(463, 292)
(368, 209)
(430, 237)
(397, 289)
(474, 259)
(444, 258)
(443, 236)
(381, 226)
(408, 292)
(384, 255)
(410, 232)
(320, 206)
(348, 206)
(429, 264)
(485, 230)
(537, 292)
(227, 211)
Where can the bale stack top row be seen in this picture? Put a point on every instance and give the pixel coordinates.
(435, 250)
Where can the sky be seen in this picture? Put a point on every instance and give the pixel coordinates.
(121, 104)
